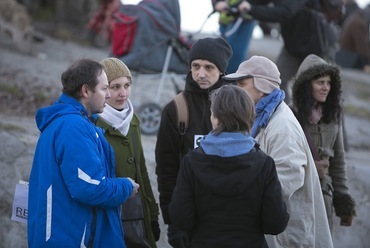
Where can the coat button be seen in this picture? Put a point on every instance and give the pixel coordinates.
(130, 160)
(125, 143)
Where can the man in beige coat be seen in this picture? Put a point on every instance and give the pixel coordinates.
(280, 135)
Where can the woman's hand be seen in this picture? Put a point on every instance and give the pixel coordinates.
(322, 167)
(244, 7)
(135, 189)
(346, 220)
(221, 6)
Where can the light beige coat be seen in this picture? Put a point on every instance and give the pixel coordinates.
(283, 139)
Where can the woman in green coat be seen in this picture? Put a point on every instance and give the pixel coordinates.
(122, 130)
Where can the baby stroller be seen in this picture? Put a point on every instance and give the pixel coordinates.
(146, 37)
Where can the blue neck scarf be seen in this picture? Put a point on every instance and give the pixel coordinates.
(265, 108)
(227, 144)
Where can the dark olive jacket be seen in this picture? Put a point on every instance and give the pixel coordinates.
(130, 162)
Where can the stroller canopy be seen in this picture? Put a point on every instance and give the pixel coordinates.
(158, 26)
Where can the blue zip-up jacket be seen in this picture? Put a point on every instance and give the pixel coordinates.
(74, 197)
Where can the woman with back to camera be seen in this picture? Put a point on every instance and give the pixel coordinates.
(228, 193)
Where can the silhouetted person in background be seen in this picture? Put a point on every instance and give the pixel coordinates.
(237, 34)
(349, 6)
(355, 42)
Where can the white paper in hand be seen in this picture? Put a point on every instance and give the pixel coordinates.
(20, 203)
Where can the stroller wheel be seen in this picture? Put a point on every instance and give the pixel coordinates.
(150, 117)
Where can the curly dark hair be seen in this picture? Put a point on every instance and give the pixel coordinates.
(304, 101)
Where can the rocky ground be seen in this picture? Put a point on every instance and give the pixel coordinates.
(28, 82)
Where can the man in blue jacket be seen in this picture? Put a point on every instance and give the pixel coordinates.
(74, 197)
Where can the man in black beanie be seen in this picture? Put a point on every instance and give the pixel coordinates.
(208, 59)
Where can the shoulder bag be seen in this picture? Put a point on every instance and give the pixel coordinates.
(134, 224)
(133, 219)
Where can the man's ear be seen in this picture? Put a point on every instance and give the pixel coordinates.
(85, 91)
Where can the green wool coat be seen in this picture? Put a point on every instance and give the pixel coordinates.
(130, 162)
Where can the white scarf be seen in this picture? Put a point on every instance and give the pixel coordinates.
(119, 120)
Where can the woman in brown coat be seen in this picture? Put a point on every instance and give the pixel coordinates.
(317, 104)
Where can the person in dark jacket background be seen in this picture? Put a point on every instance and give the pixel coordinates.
(349, 7)
(208, 59)
(354, 41)
(239, 37)
(228, 193)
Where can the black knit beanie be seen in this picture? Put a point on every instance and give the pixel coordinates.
(215, 50)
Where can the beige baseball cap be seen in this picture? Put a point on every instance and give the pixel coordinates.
(265, 73)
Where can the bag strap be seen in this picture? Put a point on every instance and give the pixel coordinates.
(182, 112)
(311, 144)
